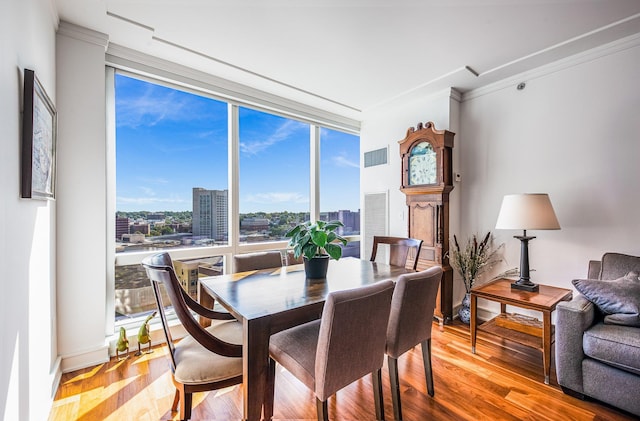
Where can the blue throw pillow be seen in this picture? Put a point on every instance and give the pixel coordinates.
(618, 299)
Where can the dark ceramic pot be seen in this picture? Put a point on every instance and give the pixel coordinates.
(317, 267)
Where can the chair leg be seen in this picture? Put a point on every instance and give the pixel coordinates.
(395, 387)
(269, 393)
(176, 401)
(428, 372)
(323, 410)
(377, 393)
(185, 406)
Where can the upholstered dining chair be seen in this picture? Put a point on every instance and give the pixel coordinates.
(410, 321)
(257, 261)
(346, 344)
(207, 359)
(291, 258)
(398, 249)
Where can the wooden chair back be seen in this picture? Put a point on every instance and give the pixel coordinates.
(399, 248)
(160, 271)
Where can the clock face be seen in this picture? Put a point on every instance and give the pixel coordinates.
(422, 164)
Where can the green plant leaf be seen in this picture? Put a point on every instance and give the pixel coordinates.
(319, 238)
(334, 250)
(310, 250)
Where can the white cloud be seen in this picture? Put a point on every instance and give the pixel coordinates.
(277, 197)
(281, 133)
(343, 161)
(157, 180)
(147, 200)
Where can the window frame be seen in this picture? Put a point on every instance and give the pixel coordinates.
(233, 247)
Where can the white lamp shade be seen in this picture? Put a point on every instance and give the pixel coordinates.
(527, 212)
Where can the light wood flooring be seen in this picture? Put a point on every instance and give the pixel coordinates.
(503, 381)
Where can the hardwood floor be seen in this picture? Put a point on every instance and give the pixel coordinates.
(503, 381)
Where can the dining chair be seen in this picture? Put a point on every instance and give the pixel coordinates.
(410, 321)
(257, 261)
(207, 358)
(398, 249)
(346, 344)
(291, 258)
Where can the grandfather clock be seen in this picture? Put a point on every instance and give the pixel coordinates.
(427, 180)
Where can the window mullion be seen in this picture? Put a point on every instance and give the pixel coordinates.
(234, 180)
(314, 178)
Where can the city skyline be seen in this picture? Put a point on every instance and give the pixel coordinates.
(170, 141)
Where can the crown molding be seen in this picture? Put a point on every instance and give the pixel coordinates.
(136, 62)
(83, 34)
(556, 66)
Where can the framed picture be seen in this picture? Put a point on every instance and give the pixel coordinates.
(38, 141)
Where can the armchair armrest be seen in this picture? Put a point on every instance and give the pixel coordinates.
(594, 269)
(572, 319)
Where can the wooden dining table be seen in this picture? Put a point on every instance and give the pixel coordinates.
(271, 300)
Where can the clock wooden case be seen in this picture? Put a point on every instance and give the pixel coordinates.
(427, 180)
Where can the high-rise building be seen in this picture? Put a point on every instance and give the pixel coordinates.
(351, 220)
(210, 213)
(122, 227)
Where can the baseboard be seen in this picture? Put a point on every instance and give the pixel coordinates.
(56, 375)
(85, 359)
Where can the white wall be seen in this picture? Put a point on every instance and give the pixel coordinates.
(82, 211)
(385, 126)
(573, 132)
(28, 364)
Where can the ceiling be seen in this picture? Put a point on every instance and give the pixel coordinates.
(350, 56)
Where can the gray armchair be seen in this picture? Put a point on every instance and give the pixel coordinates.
(595, 358)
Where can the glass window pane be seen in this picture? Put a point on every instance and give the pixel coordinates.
(134, 295)
(171, 182)
(274, 175)
(340, 183)
(171, 152)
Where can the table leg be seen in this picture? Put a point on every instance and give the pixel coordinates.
(474, 322)
(255, 365)
(206, 300)
(546, 344)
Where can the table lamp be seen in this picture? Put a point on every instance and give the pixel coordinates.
(526, 212)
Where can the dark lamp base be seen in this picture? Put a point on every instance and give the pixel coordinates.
(525, 285)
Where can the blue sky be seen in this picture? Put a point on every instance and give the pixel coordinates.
(169, 141)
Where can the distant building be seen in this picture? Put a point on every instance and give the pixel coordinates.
(155, 217)
(351, 220)
(122, 227)
(210, 213)
(255, 224)
(133, 238)
(187, 273)
(139, 228)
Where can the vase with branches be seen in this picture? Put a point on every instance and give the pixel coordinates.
(470, 260)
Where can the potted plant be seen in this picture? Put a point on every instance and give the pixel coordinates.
(318, 243)
(470, 261)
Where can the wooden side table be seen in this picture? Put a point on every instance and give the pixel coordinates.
(518, 328)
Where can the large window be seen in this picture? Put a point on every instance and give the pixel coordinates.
(171, 167)
(274, 175)
(174, 189)
(340, 183)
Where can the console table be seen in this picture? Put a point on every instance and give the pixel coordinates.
(518, 328)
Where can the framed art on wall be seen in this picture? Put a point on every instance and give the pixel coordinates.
(38, 141)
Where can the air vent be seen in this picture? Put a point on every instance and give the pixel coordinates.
(377, 157)
(376, 207)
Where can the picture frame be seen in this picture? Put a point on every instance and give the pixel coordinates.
(39, 126)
